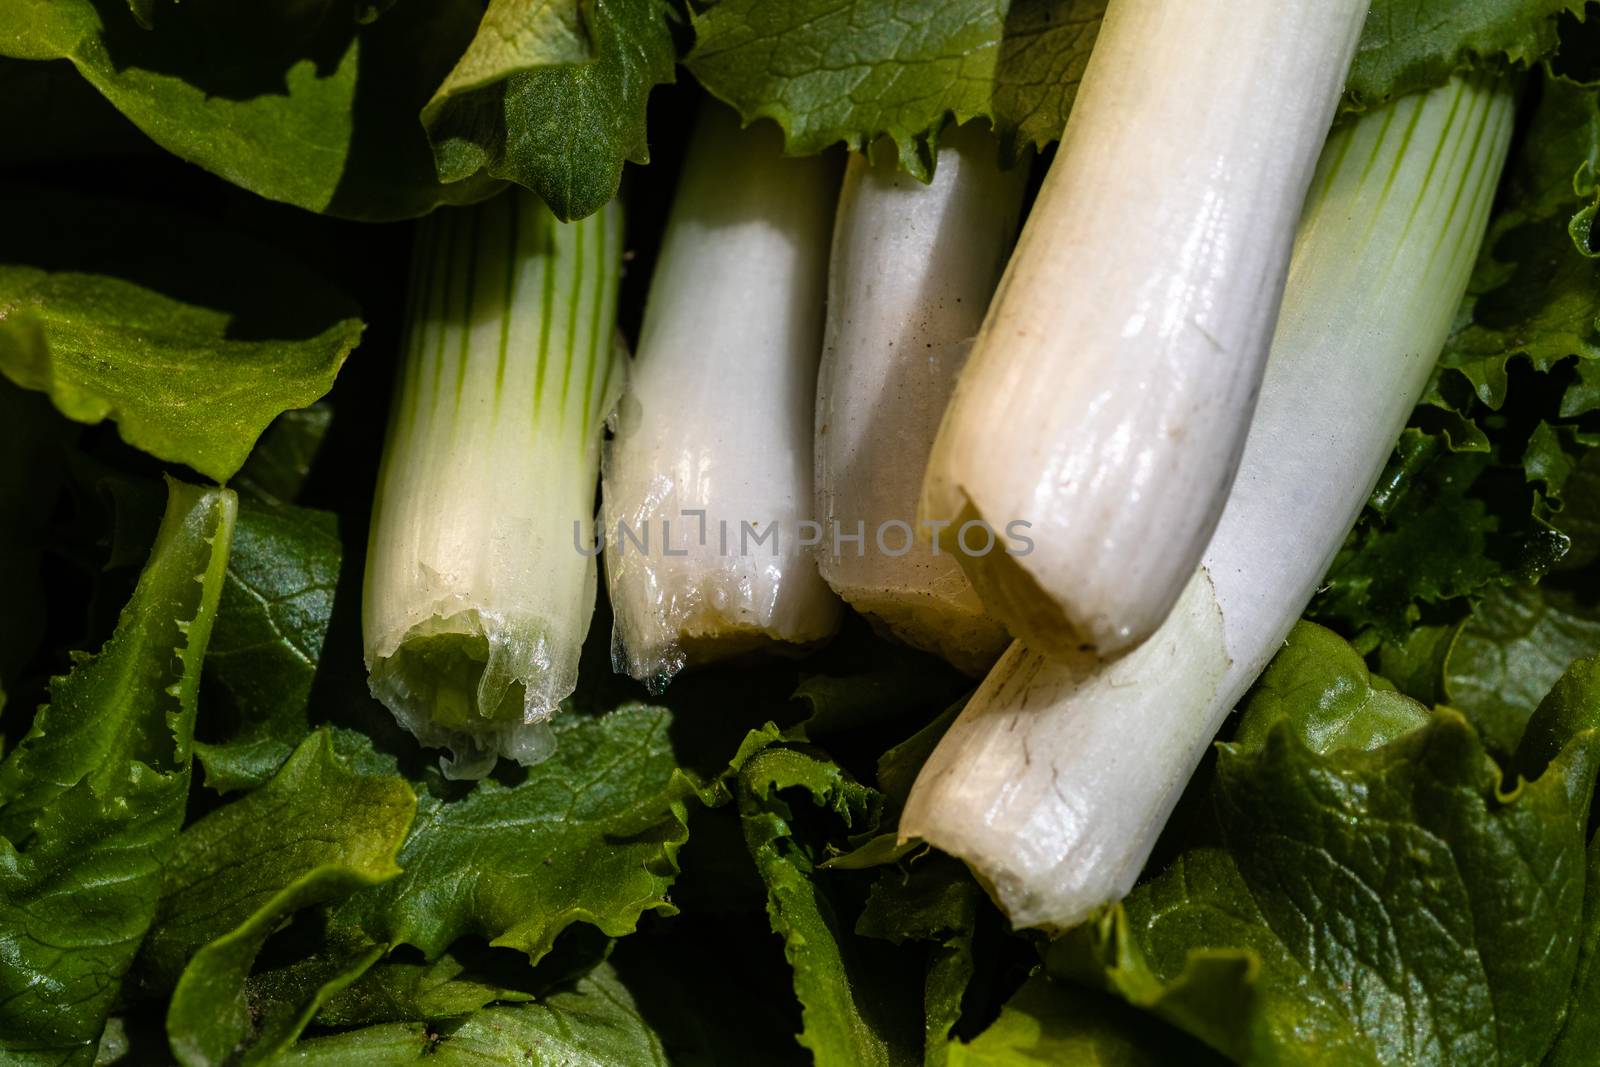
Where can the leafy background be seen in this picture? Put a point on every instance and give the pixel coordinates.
(1387, 860)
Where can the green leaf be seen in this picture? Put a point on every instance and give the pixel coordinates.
(403, 992)
(1430, 544)
(1513, 647)
(898, 766)
(1581, 1034)
(315, 833)
(853, 72)
(1367, 907)
(1409, 45)
(857, 1007)
(862, 682)
(1055, 1022)
(276, 607)
(594, 1022)
(192, 339)
(1320, 687)
(1579, 519)
(551, 94)
(1416, 664)
(281, 461)
(93, 796)
(590, 835)
(319, 112)
(937, 901)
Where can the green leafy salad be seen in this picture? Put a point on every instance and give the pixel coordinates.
(973, 533)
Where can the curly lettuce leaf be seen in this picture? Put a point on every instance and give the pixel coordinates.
(1410, 45)
(314, 833)
(1397, 904)
(591, 835)
(192, 339)
(857, 1007)
(935, 901)
(396, 991)
(316, 112)
(1581, 1035)
(596, 1021)
(1321, 689)
(92, 797)
(854, 72)
(1515, 645)
(551, 94)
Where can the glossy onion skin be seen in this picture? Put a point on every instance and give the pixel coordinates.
(1107, 399)
(715, 429)
(1055, 781)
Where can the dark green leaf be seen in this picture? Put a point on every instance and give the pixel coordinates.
(857, 1007)
(1581, 1034)
(594, 1022)
(1057, 1023)
(1417, 44)
(93, 796)
(1430, 545)
(935, 900)
(276, 606)
(1513, 647)
(316, 832)
(1369, 907)
(853, 72)
(879, 684)
(590, 835)
(1579, 519)
(1321, 689)
(192, 339)
(551, 94)
(281, 461)
(1416, 664)
(320, 113)
(403, 992)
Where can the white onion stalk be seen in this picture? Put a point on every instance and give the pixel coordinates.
(477, 595)
(708, 482)
(1054, 783)
(1108, 397)
(912, 272)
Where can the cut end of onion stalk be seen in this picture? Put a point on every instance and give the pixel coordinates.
(1006, 788)
(1108, 397)
(708, 480)
(913, 268)
(480, 572)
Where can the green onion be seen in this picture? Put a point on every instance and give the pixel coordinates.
(480, 576)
